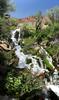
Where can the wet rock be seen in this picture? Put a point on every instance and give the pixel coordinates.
(41, 74)
(52, 95)
(28, 61)
(17, 35)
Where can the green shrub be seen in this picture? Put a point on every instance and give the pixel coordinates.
(47, 64)
(22, 83)
(8, 58)
(4, 29)
(53, 49)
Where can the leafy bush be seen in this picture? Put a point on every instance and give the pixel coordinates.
(4, 29)
(27, 30)
(25, 33)
(22, 83)
(47, 64)
(8, 58)
(6, 25)
(53, 49)
(50, 32)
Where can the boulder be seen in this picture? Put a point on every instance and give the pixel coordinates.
(5, 46)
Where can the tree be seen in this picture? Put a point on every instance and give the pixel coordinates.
(38, 21)
(5, 6)
(54, 14)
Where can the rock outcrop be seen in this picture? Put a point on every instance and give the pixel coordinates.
(5, 46)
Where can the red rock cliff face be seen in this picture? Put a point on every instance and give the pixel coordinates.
(27, 20)
(32, 21)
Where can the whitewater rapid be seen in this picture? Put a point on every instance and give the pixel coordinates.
(22, 57)
(35, 66)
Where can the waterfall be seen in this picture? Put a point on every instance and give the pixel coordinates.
(19, 54)
(22, 57)
(34, 66)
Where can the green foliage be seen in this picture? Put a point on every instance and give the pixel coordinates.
(13, 22)
(13, 83)
(5, 6)
(30, 50)
(6, 25)
(53, 49)
(51, 31)
(8, 58)
(29, 26)
(28, 41)
(27, 45)
(27, 31)
(23, 82)
(47, 64)
(54, 14)
(4, 29)
(42, 35)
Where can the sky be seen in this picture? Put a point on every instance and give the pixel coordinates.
(25, 8)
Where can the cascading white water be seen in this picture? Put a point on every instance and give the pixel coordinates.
(47, 56)
(22, 57)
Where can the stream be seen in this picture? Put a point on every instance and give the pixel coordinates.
(22, 57)
(34, 65)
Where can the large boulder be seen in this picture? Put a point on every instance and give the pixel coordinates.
(5, 46)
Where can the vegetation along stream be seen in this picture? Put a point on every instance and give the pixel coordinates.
(29, 53)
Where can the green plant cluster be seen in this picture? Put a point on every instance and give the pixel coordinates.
(8, 58)
(22, 83)
(6, 25)
(4, 29)
(6, 6)
(47, 64)
(50, 32)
